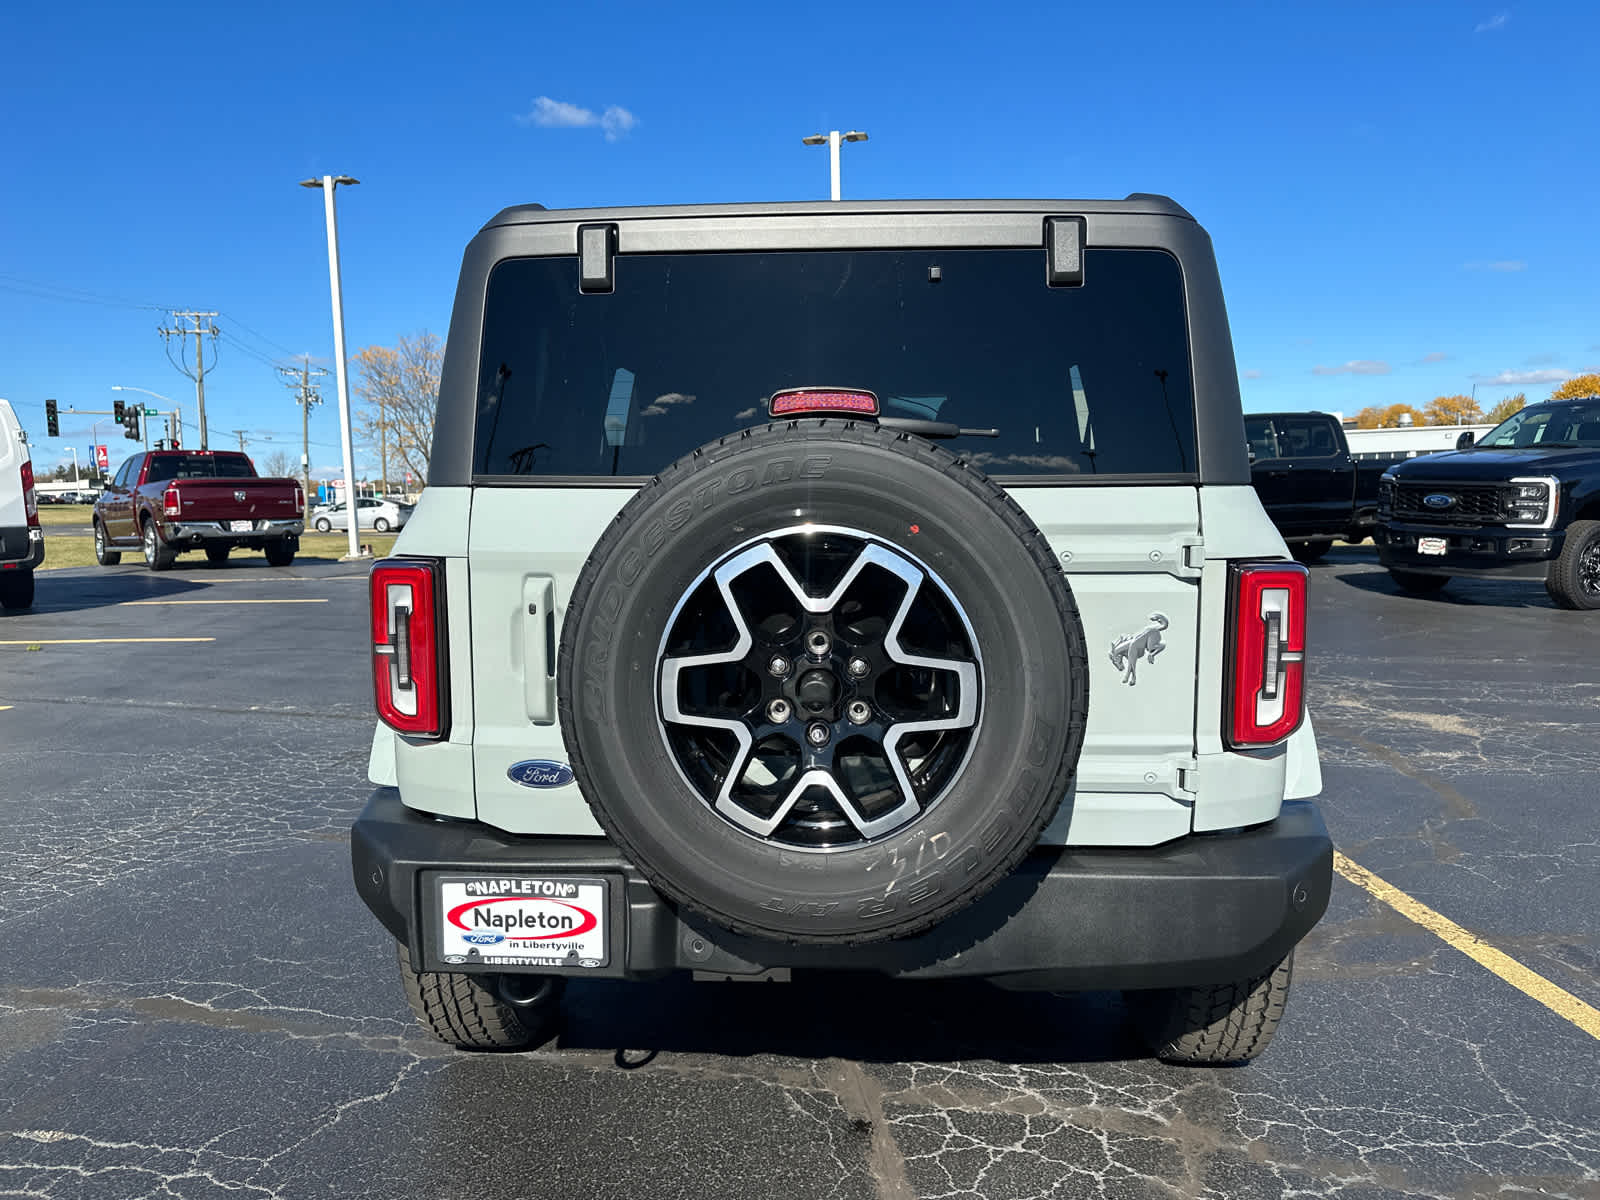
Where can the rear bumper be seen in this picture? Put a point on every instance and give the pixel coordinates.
(1492, 552)
(1205, 909)
(21, 547)
(215, 533)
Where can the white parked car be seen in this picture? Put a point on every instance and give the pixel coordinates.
(381, 516)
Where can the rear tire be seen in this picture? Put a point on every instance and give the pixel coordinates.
(280, 553)
(1574, 579)
(1417, 583)
(483, 1012)
(217, 555)
(16, 590)
(103, 554)
(158, 556)
(1213, 1025)
(1309, 552)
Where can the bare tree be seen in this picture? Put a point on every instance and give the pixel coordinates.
(397, 391)
(278, 464)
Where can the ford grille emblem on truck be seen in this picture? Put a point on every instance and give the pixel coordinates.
(1439, 500)
(540, 773)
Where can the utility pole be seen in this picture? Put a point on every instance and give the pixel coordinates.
(307, 397)
(239, 433)
(199, 376)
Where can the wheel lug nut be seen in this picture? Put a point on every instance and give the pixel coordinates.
(859, 668)
(779, 711)
(818, 644)
(859, 712)
(817, 734)
(778, 666)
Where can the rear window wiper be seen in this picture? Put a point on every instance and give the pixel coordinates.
(934, 429)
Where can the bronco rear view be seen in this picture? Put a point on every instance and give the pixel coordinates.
(868, 586)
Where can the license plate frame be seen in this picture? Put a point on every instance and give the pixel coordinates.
(1432, 545)
(509, 920)
(241, 526)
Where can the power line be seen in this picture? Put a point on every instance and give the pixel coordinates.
(259, 336)
(308, 395)
(72, 295)
(197, 330)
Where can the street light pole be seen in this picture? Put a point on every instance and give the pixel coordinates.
(833, 137)
(328, 183)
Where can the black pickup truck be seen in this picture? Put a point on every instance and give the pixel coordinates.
(1311, 486)
(1523, 503)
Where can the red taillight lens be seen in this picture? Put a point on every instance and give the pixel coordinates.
(408, 645)
(171, 502)
(1266, 653)
(299, 500)
(30, 498)
(799, 402)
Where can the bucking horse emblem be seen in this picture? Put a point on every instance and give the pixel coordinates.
(1126, 651)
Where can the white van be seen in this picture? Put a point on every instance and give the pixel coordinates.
(21, 539)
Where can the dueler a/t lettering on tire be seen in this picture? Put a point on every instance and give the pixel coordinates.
(823, 682)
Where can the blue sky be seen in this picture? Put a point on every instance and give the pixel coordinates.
(1402, 196)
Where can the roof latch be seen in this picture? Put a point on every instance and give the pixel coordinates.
(1063, 242)
(597, 252)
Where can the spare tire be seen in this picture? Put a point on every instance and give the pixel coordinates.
(823, 682)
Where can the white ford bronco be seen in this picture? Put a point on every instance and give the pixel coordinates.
(843, 586)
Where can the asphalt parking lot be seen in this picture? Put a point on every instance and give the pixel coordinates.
(194, 1003)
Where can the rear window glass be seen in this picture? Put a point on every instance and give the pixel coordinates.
(198, 466)
(1090, 380)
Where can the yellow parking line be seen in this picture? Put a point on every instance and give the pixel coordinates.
(1559, 1001)
(127, 603)
(97, 641)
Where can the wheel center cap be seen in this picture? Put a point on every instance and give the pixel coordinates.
(817, 691)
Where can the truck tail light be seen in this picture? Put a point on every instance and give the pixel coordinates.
(171, 501)
(30, 498)
(299, 499)
(408, 646)
(1266, 653)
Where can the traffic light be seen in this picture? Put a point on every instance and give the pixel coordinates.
(130, 425)
(119, 412)
(52, 422)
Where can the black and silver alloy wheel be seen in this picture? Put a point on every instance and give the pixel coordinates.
(1589, 569)
(819, 688)
(1574, 579)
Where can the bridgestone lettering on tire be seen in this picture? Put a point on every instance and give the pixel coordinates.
(823, 682)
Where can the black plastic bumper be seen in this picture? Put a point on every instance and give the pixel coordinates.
(1206, 909)
(18, 551)
(1492, 552)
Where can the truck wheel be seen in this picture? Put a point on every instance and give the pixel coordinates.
(158, 556)
(483, 1012)
(1418, 583)
(1309, 552)
(217, 554)
(280, 553)
(103, 554)
(1216, 1024)
(1574, 579)
(772, 671)
(16, 590)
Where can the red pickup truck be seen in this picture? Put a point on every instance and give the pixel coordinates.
(169, 501)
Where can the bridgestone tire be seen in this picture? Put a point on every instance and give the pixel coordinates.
(469, 1010)
(103, 554)
(918, 500)
(16, 590)
(1418, 583)
(1215, 1025)
(1573, 582)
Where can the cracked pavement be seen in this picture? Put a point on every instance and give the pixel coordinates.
(195, 1004)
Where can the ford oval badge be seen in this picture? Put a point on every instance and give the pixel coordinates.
(1439, 500)
(540, 773)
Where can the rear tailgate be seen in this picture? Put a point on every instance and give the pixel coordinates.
(232, 499)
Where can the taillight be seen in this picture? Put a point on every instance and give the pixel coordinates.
(171, 502)
(30, 498)
(408, 645)
(299, 499)
(1266, 653)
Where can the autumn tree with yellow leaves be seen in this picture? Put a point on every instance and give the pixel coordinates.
(1577, 387)
(1506, 407)
(1452, 410)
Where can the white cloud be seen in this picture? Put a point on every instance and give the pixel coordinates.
(546, 113)
(1501, 265)
(1435, 357)
(1498, 21)
(673, 398)
(744, 414)
(1515, 378)
(1359, 366)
